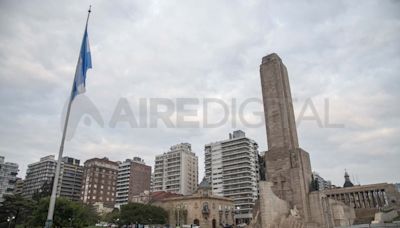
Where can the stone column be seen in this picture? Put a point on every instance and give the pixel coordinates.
(366, 200)
(360, 196)
(374, 201)
(278, 107)
(378, 200)
(385, 198)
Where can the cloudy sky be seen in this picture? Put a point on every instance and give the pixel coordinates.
(345, 53)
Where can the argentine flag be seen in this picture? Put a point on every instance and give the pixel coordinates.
(84, 63)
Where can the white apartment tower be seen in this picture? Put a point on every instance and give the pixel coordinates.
(38, 174)
(176, 170)
(231, 166)
(8, 177)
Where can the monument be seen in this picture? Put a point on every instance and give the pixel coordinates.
(286, 199)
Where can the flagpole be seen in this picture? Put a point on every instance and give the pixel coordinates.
(50, 214)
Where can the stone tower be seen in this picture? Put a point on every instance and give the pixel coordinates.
(287, 165)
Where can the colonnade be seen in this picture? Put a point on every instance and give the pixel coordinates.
(362, 199)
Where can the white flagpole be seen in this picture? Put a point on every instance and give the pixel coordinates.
(53, 197)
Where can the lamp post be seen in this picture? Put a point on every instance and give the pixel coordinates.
(72, 218)
(9, 220)
(237, 212)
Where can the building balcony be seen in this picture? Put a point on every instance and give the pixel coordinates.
(234, 158)
(240, 194)
(238, 164)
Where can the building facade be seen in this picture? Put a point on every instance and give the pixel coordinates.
(151, 182)
(134, 177)
(365, 199)
(70, 181)
(176, 170)
(8, 177)
(99, 182)
(147, 197)
(39, 174)
(291, 201)
(366, 196)
(232, 168)
(202, 209)
(19, 186)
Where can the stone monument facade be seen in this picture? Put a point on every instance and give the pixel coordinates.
(288, 167)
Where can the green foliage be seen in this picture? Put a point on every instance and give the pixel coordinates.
(314, 184)
(142, 213)
(112, 217)
(44, 191)
(17, 206)
(67, 213)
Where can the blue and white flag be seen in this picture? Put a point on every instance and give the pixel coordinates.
(84, 63)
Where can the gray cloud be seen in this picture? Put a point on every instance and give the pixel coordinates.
(345, 51)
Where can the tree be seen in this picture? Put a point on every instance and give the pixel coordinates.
(112, 217)
(16, 206)
(44, 191)
(67, 213)
(314, 184)
(132, 213)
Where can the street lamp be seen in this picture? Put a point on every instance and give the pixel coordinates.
(9, 220)
(70, 221)
(237, 212)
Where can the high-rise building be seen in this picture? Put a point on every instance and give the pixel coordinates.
(152, 182)
(39, 174)
(321, 182)
(8, 177)
(176, 170)
(231, 166)
(19, 185)
(70, 181)
(134, 177)
(99, 182)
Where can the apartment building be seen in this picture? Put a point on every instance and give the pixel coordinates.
(99, 182)
(8, 177)
(19, 186)
(38, 174)
(70, 180)
(176, 171)
(231, 166)
(134, 177)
